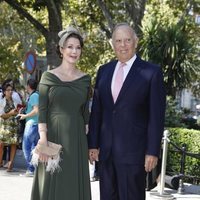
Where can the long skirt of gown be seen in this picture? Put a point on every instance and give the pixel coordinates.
(66, 126)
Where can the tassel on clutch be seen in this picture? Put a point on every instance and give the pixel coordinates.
(53, 150)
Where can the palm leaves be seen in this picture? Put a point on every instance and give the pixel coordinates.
(172, 47)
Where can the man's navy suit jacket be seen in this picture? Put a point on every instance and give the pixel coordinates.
(133, 126)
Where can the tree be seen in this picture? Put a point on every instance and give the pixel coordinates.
(15, 40)
(170, 39)
(96, 20)
(121, 11)
(49, 29)
(97, 12)
(196, 87)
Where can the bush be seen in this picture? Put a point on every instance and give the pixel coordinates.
(173, 116)
(191, 138)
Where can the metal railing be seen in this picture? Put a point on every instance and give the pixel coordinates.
(161, 194)
(183, 151)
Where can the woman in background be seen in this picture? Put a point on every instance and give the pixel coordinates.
(17, 98)
(8, 124)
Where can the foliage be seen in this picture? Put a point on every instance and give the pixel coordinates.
(170, 34)
(191, 138)
(96, 22)
(173, 115)
(97, 49)
(170, 39)
(179, 117)
(191, 123)
(45, 17)
(15, 40)
(196, 87)
(97, 17)
(9, 63)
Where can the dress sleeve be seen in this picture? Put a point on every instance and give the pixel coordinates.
(86, 108)
(43, 102)
(86, 113)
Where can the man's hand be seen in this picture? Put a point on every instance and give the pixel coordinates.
(150, 162)
(93, 155)
(22, 116)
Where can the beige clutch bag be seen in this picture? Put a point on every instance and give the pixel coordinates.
(53, 150)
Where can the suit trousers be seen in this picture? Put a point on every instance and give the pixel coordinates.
(119, 181)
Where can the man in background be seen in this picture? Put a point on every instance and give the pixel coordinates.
(31, 135)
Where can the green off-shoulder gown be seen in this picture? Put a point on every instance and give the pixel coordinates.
(64, 107)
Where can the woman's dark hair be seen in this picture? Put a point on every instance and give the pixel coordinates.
(8, 81)
(4, 88)
(32, 83)
(73, 35)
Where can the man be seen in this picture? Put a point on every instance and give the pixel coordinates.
(127, 119)
(31, 135)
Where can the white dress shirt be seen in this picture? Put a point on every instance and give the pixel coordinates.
(126, 69)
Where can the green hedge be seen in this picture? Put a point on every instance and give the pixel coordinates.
(191, 138)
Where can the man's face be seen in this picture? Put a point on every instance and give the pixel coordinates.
(124, 43)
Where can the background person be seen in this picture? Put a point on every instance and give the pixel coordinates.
(8, 124)
(31, 135)
(16, 97)
(127, 119)
(63, 119)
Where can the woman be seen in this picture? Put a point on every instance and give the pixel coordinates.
(17, 98)
(8, 124)
(63, 117)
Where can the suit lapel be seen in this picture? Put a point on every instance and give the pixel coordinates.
(130, 79)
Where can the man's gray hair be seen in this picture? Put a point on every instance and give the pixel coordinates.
(118, 25)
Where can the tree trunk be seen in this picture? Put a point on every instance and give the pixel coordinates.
(50, 34)
(134, 12)
(53, 59)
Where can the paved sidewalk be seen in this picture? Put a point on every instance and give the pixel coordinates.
(15, 187)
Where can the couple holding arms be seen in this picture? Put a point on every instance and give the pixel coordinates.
(125, 126)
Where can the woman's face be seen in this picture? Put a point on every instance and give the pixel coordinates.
(8, 92)
(71, 50)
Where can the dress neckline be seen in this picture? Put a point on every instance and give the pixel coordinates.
(68, 81)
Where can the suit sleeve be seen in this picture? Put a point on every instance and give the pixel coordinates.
(95, 117)
(157, 104)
